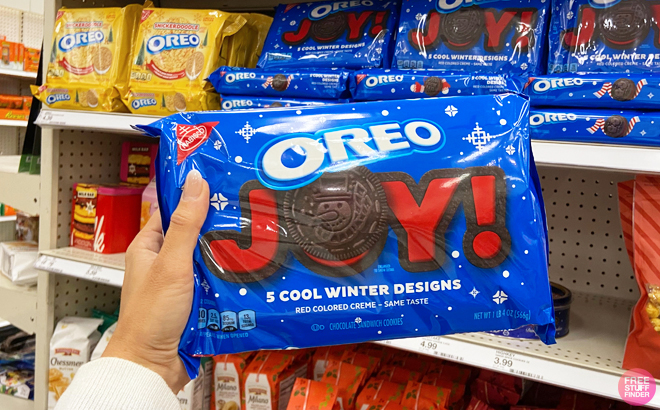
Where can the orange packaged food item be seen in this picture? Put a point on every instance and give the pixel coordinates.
(360, 359)
(419, 396)
(380, 391)
(476, 404)
(325, 354)
(11, 54)
(381, 405)
(31, 59)
(12, 102)
(398, 375)
(373, 350)
(348, 378)
(411, 362)
(312, 395)
(450, 371)
(457, 389)
(269, 379)
(228, 380)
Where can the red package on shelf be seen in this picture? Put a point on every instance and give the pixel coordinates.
(643, 341)
(105, 218)
(571, 400)
(476, 404)
(493, 394)
(323, 356)
(419, 396)
(398, 375)
(360, 359)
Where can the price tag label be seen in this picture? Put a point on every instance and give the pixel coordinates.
(441, 347)
(47, 117)
(517, 364)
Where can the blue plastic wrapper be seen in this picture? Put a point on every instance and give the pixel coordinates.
(600, 90)
(496, 37)
(246, 102)
(358, 222)
(348, 34)
(604, 36)
(373, 84)
(596, 126)
(281, 83)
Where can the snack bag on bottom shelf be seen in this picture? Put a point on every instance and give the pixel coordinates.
(419, 396)
(476, 404)
(245, 102)
(498, 37)
(31, 58)
(309, 394)
(410, 361)
(359, 359)
(319, 239)
(87, 67)
(457, 390)
(348, 379)
(377, 391)
(351, 35)
(381, 405)
(598, 90)
(72, 343)
(137, 162)
(644, 340)
(320, 83)
(192, 396)
(103, 342)
(175, 50)
(398, 375)
(244, 47)
(323, 355)
(604, 36)
(269, 379)
(227, 386)
(572, 400)
(449, 371)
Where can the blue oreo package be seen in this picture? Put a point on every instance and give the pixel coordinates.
(358, 222)
(480, 36)
(596, 126)
(604, 36)
(600, 90)
(373, 84)
(349, 34)
(246, 102)
(281, 83)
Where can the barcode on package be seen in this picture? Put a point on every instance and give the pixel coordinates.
(526, 374)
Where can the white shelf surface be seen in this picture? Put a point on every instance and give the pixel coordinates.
(18, 305)
(15, 403)
(20, 191)
(17, 73)
(588, 359)
(13, 123)
(9, 218)
(95, 267)
(92, 121)
(595, 156)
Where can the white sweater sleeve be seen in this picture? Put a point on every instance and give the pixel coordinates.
(117, 384)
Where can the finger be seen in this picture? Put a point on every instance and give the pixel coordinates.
(149, 238)
(185, 224)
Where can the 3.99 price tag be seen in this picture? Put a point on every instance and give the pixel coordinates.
(513, 363)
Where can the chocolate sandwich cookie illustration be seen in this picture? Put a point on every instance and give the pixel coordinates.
(463, 28)
(338, 219)
(278, 82)
(625, 25)
(623, 89)
(432, 86)
(615, 126)
(329, 28)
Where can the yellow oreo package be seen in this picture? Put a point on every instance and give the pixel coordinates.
(175, 51)
(88, 67)
(244, 48)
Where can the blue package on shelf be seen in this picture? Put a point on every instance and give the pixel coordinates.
(313, 212)
(246, 102)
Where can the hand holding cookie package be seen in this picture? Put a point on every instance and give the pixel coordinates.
(324, 229)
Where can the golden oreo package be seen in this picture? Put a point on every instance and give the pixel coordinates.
(244, 48)
(88, 64)
(175, 51)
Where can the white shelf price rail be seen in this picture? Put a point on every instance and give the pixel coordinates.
(92, 121)
(107, 269)
(13, 123)
(18, 305)
(17, 73)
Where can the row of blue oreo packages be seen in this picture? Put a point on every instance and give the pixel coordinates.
(278, 87)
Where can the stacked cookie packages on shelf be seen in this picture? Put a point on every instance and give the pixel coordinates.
(356, 222)
(603, 54)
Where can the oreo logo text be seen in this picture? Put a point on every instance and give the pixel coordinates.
(349, 25)
(376, 80)
(71, 41)
(538, 119)
(54, 98)
(157, 44)
(231, 104)
(325, 9)
(543, 85)
(498, 25)
(296, 160)
(447, 6)
(143, 102)
(231, 77)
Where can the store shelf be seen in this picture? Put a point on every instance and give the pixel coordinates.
(18, 305)
(95, 267)
(13, 123)
(20, 191)
(92, 121)
(17, 73)
(588, 359)
(14, 403)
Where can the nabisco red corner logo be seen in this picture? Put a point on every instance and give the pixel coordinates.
(145, 15)
(360, 77)
(290, 6)
(190, 137)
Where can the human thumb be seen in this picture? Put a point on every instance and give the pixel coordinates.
(186, 222)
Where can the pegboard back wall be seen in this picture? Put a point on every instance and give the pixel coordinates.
(77, 297)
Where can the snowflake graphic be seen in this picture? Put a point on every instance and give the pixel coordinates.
(419, 16)
(642, 133)
(474, 292)
(523, 66)
(276, 46)
(479, 138)
(569, 15)
(293, 23)
(510, 150)
(219, 202)
(89, 207)
(358, 320)
(246, 132)
(295, 86)
(451, 111)
(205, 286)
(500, 297)
(557, 53)
(217, 145)
(650, 95)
